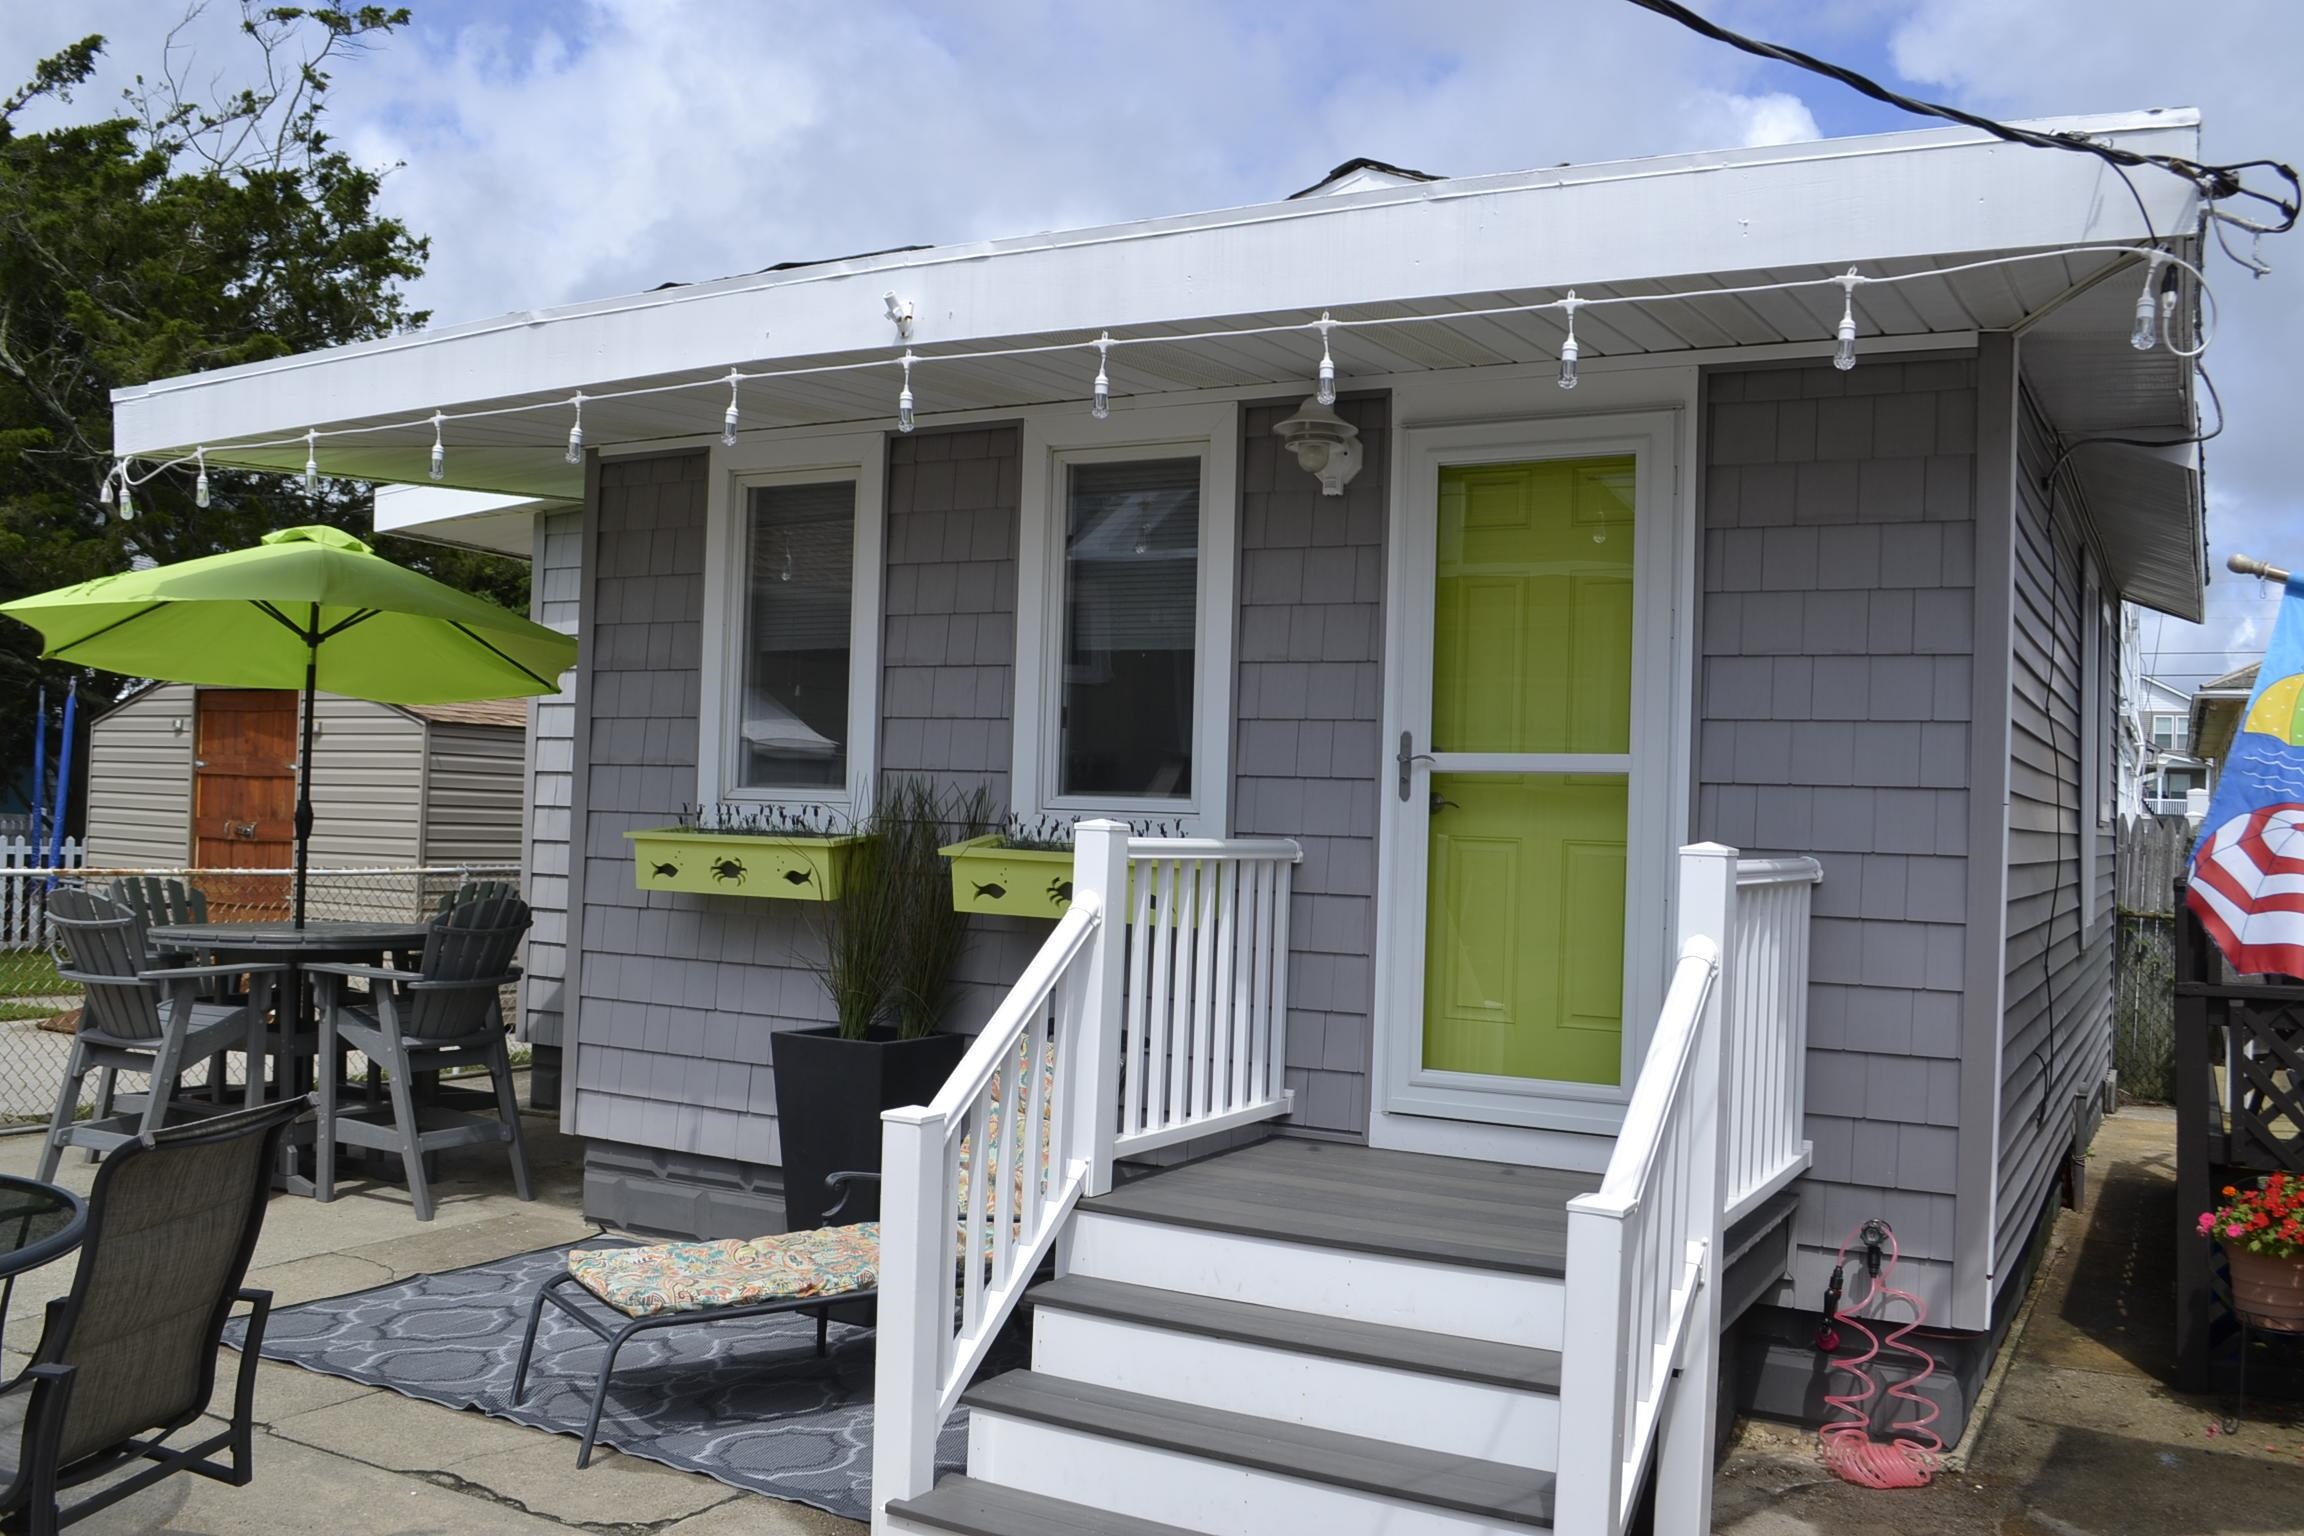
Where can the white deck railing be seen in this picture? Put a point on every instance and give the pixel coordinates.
(1766, 1052)
(1168, 1025)
(1206, 1033)
(1712, 1130)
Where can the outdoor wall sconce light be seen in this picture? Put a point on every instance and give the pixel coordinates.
(1325, 445)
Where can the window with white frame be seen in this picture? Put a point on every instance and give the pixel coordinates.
(791, 622)
(2171, 733)
(1124, 620)
(799, 564)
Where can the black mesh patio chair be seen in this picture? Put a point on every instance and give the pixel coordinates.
(141, 1018)
(446, 1013)
(128, 1357)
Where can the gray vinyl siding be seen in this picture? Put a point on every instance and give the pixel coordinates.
(1837, 631)
(2056, 1038)
(472, 794)
(140, 781)
(1309, 759)
(948, 653)
(677, 995)
(555, 584)
(367, 784)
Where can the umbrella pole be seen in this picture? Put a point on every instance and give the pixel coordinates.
(304, 769)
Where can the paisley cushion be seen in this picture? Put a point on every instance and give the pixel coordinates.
(731, 1272)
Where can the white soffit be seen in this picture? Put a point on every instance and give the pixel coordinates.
(1892, 203)
(480, 520)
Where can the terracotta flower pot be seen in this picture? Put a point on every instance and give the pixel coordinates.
(2268, 1292)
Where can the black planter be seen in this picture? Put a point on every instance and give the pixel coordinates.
(829, 1094)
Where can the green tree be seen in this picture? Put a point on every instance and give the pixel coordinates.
(185, 232)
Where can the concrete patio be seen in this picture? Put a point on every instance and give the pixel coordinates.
(336, 1455)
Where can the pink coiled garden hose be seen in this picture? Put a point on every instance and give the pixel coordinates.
(1905, 1454)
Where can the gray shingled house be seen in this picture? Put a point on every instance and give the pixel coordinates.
(1485, 650)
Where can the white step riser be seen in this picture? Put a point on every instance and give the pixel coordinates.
(1370, 1288)
(1436, 1413)
(1213, 1497)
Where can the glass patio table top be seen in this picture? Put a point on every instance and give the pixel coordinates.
(38, 1222)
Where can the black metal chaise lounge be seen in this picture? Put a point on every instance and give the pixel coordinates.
(677, 1285)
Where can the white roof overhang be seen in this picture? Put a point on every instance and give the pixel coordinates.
(482, 520)
(1898, 203)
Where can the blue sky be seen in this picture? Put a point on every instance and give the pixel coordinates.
(566, 149)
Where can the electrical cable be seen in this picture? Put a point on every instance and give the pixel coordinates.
(2215, 181)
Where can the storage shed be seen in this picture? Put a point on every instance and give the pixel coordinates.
(206, 777)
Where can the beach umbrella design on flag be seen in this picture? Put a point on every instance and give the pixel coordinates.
(2247, 881)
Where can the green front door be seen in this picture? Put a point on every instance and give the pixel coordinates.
(1531, 746)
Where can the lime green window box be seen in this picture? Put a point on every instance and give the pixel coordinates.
(990, 877)
(788, 868)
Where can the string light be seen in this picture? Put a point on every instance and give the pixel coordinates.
(200, 480)
(1844, 348)
(127, 496)
(2165, 298)
(1568, 347)
(311, 463)
(1100, 395)
(728, 421)
(2144, 335)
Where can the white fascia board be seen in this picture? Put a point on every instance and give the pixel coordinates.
(1884, 198)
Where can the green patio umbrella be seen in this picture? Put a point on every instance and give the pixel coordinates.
(308, 607)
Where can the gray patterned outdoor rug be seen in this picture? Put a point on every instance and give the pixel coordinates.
(746, 1402)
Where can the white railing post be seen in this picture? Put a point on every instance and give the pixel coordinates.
(1683, 1463)
(1092, 1119)
(907, 1371)
(1596, 1331)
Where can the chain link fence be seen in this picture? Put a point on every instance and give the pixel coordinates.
(39, 1009)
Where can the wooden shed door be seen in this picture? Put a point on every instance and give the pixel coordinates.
(244, 794)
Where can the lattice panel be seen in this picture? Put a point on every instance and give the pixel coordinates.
(2265, 1066)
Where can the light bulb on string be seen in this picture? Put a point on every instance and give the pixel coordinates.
(1844, 347)
(2144, 335)
(1568, 347)
(1325, 393)
(127, 496)
(311, 463)
(439, 466)
(905, 417)
(1100, 397)
(728, 420)
(200, 479)
(104, 491)
(575, 453)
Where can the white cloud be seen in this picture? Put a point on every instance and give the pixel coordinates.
(1776, 118)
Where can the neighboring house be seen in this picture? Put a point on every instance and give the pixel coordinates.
(2170, 768)
(2213, 716)
(1723, 590)
(205, 778)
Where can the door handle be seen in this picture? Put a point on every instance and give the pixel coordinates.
(1441, 802)
(1409, 758)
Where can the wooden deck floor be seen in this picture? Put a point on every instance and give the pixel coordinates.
(1462, 1211)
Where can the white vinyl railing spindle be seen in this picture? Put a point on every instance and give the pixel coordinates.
(1767, 1030)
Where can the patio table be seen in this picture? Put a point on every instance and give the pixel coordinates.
(38, 1222)
(286, 944)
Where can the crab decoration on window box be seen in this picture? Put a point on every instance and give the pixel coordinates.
(788, 853)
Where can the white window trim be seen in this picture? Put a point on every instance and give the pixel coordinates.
(2095, 748)
(1211, 433)
(862, 457)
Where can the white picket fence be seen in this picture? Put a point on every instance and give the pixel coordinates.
(24, 874)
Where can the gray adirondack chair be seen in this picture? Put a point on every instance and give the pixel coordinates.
(127, 1358)
(158, 900)
(472, 891)
(142, 1018)
(446, 1012)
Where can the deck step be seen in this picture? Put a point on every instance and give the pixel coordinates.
(1374, 1476)
(967, 1507)
(1337, 1338)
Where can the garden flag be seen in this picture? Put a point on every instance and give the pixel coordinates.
(2248, 871)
